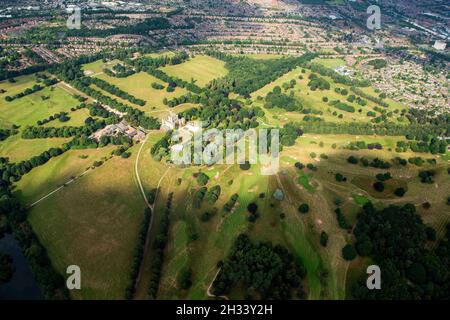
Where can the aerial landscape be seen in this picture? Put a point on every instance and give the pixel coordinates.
(135, 138)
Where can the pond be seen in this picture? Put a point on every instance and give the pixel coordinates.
(22, 285)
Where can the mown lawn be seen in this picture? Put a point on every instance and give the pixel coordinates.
(202, 69)
(77, 118)
(331, 63)
(17, 149)
(31, 108)
(314, 100)
(140, 86)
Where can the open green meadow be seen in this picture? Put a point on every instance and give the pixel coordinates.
(93, 223)
(140, 86)
(331, 63)
(160, 54)
(58, 171)
(201, 69)
(21, 83)
(314, 100)
(31, 108)
(77, 118)
(97, 67)
(17, 149)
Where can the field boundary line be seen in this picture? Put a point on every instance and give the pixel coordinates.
(59, 188)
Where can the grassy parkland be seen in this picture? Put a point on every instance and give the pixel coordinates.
(94, 221)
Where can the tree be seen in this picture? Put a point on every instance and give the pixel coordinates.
(352, 160)
(340, 178)
(364, 247)
(299, 165)
(279, 272)
(198, 197)
(349, 252)
(213, 194)
(228, 206)
(431, 234)
(400, 192)
(324, 239)
(6, 268)
(378, 186)
(206, 216)
(411, 269)
(202, 178)
(303, 208)
(417, 273)
(426, 176)
(184, 278)
(253, 214)
(245, 166)
(252, 208)
(383, 176)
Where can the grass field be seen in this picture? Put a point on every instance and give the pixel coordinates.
(17, 149)
(303, 179)
(139, 85)
(57, 171)
(77, 118)
(160, 54)
(215, 237)
(202, 69)
(314, 100)
(12, 88)
(357, 191)
(331, 63)
(96, 67)
(31, 108)
(298, 232)
(93, 223)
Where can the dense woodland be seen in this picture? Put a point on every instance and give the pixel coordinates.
(51, 282)
(264, 270)
(247, 75)
(138, 253)
(5, 133)
(6, 268)
(159, 244)
(398, 241)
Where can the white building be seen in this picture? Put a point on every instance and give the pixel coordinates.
(440, 45)
(172, 122)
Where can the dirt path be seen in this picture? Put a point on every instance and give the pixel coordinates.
(150, 206)
(208, 291)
